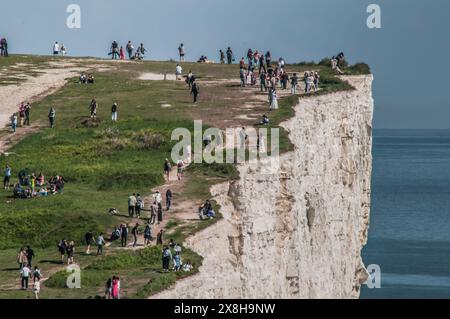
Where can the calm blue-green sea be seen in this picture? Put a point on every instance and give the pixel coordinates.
(410, 219)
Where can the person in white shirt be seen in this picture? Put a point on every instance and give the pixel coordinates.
(178, 72)
(56, 49)
(25, 275)
(157, 198)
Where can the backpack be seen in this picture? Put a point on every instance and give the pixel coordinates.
(166, 253)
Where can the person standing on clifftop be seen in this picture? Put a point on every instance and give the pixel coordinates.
(230, 57)
(130, 49)
(114, 110)
(181, 52)
(52, 116)
(56, 49)
(4, 47)
(195, 91)
(7, 177)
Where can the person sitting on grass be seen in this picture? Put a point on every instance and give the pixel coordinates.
(40, 180)
(115, 235)
(206, 210)
(264, 120)
(90, 79)
(83, 78)
(187, 267)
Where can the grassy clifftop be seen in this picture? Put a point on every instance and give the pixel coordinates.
(103, 162)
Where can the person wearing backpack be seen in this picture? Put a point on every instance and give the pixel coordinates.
(166, 257)
(168, 199)
(30, 255)
(62, 247)
(24, 276)
(139, 205)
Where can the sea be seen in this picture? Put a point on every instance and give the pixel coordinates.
(409, 237)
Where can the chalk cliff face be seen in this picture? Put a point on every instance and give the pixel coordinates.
(297, 233)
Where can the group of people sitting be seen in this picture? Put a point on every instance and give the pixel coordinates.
(87, 78)
(204, 59)
(30, 186)
(206, 211)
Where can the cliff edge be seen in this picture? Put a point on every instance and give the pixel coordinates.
(297, 233)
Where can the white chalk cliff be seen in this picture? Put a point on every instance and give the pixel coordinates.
(297, 233)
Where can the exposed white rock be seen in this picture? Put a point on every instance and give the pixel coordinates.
(297, 233)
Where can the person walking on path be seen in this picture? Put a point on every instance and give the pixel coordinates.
(100, 243)
(222, 57)
(4, 47)
(159, 237)
(169, 199)
(93, 108)
(62, 247)
(130, 49)
(27, 114)
(124, 235)
(147, 235)
(22, 259)
(132, 200)
(195, 91)
(167, 169)
(135, 232)
(30, 255)
(115, 291)
(24, 276)
(294, 84)
(160, 213)
(181, 52)
(180, 169)
(7, 178)
(14, 122)
(178, 72)
(70, 252)
(88, 237)
(114, 110)
(52, 116)
(36, 282)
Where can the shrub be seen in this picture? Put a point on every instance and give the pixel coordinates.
(148, 140)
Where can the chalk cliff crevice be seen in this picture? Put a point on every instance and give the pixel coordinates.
(297, 233)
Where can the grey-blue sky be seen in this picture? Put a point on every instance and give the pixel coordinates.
(408, 56)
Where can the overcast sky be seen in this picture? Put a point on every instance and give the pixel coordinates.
(409, 55)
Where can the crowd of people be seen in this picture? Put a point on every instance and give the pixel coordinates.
(118, 52)
(31, 186)
(26, 271)
(21, 117)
